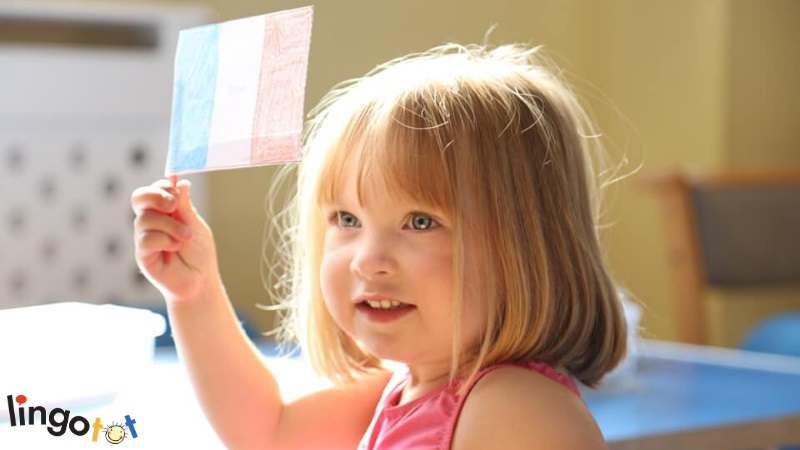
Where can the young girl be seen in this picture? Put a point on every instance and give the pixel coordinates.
(445, 220)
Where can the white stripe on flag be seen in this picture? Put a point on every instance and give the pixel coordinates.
(240, 47)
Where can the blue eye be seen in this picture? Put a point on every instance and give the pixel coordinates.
(345, 220)
(421, 222)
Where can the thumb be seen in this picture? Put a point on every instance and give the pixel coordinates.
(186, 212)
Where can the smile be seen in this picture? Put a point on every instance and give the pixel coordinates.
(384, 304)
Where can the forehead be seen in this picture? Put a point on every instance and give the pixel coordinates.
(380, 155)
(420, 133)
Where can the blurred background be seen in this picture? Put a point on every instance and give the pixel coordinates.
(673, 84)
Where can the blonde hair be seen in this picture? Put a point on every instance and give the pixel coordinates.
(484, 130)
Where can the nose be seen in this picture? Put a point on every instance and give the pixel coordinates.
(374, 256)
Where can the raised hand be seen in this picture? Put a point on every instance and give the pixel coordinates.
(167, 224)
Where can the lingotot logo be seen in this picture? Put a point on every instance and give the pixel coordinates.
(58, 421)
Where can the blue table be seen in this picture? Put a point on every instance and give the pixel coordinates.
(679, 397)
(691, 397)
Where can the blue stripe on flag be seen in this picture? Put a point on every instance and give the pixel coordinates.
(193, 98)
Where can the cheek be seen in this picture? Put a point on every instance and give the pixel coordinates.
(333, 272)
(327, 275)
(335, 288)
(433, 259)
(329, 287)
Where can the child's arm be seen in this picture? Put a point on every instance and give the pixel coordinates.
(238, 393)
(512, 408)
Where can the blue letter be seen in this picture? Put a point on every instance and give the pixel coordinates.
(129, 422)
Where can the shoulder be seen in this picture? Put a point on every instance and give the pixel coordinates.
(513, 407)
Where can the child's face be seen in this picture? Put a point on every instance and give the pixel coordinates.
(387, 275)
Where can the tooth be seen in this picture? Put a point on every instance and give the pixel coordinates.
(383, 304)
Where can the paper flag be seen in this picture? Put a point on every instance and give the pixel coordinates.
(238, 92)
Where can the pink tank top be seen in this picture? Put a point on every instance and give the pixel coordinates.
(428, 422)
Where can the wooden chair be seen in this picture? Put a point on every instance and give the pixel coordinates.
(729, 230)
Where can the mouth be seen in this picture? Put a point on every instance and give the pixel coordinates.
(384, 304)
(383, 310)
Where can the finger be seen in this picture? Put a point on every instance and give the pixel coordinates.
(185, 209)
(155, 242)
(154, 198)
(150, 221)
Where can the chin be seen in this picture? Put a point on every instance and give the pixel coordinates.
(383, 353)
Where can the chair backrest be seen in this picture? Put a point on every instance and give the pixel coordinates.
(778, 334)
(731, 229)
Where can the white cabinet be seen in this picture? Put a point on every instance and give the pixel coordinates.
(85, 101)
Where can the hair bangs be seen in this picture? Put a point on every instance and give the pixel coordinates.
(397, 148)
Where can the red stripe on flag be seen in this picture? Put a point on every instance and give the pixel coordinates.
(278, 119)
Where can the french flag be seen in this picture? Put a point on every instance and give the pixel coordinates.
(238, 92)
